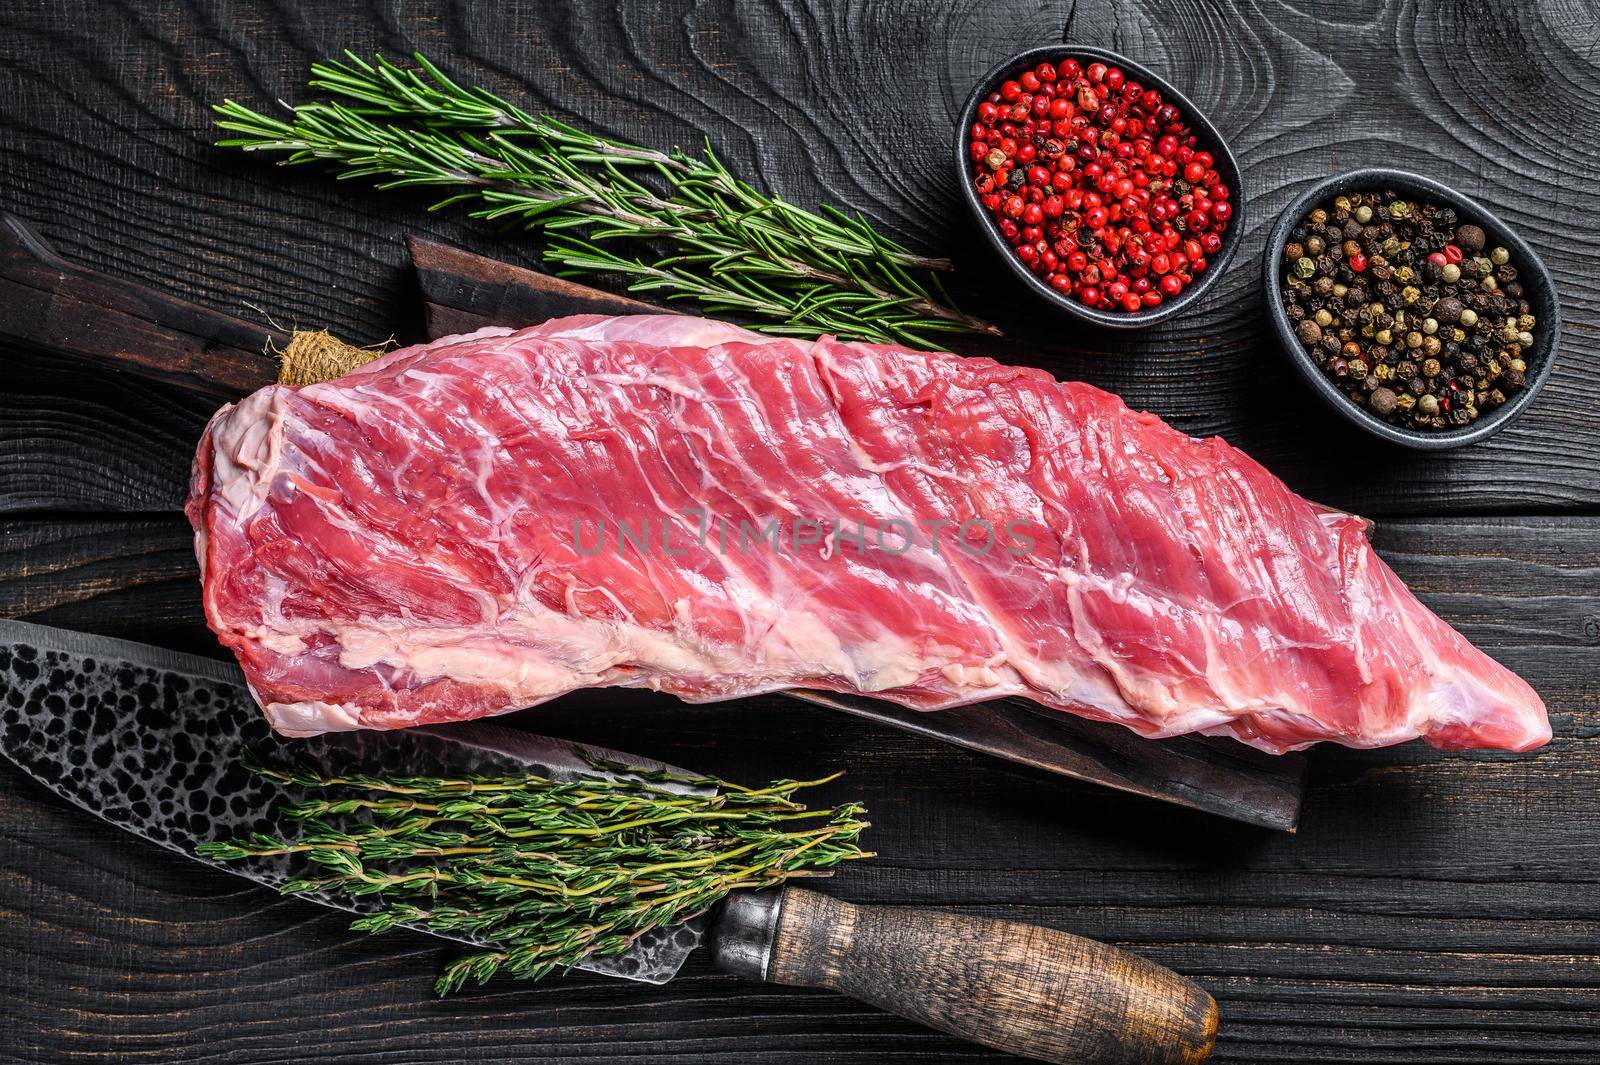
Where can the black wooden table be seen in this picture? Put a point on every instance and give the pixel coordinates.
(1433, 908)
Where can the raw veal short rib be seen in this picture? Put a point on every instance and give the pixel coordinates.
(485, 522)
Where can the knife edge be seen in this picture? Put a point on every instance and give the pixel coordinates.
(153, 741)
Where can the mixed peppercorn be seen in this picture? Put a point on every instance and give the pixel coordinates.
(1407, 309)
(1098, 184)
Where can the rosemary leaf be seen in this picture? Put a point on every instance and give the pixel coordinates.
(411, 128)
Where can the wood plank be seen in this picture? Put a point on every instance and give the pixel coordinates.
(503, 293)
(1434, 907)
(121, 175)
(140, 570)
(75, 439)
(106, 322)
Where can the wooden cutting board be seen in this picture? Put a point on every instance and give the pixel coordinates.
(52, 305)
(463, 292)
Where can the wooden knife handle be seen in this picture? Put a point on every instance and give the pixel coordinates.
(52, 305)
(1016, 987)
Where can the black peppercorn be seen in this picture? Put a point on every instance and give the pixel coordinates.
(1426, 333)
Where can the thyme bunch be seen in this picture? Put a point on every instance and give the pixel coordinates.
(605, 205)
(550, 872)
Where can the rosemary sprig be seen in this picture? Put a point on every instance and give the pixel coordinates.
(731, 248)
(550, 872)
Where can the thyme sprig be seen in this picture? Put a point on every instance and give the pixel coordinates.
(604, 205)
(550, 872)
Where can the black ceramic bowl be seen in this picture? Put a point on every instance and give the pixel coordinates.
(1209, 139)
(1538, 289)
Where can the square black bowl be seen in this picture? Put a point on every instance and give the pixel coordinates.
(1226, 166)
(1539, 290)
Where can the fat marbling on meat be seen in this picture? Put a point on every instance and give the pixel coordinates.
(485, 522)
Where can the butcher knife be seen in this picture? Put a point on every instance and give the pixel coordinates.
(155, 742)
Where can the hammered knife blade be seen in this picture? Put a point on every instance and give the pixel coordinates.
(154, 742)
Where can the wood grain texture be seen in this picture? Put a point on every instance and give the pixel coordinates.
(56, 571)
(108, 143)
(105, 322)
(502, 293)
(1434, 909)
(1036, 992)
(80, 440)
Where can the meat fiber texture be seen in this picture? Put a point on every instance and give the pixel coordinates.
(480, 524)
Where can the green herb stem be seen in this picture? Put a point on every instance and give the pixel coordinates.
(731, 248)
(551, 872)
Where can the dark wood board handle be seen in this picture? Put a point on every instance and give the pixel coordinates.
(1021, 988)
(52, 305)
(462, 292)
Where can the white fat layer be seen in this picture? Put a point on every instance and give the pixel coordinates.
(534, 653)
(311, 718)
(246, 446)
